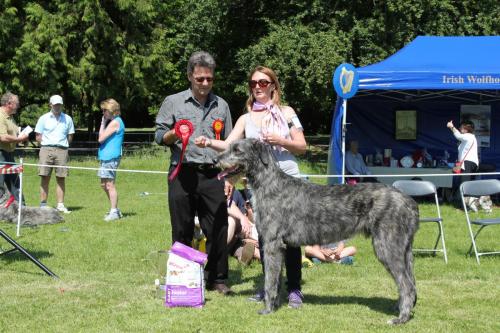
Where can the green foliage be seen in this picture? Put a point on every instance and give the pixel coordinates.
(136, 51)
(30, 114)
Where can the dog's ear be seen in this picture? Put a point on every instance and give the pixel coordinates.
(264, 153)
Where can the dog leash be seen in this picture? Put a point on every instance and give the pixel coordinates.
(9, 202)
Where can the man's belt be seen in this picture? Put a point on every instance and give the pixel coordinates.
(200, 166)
(54, 146)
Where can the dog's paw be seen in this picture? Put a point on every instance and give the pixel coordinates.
(265, 311)
(396, 321)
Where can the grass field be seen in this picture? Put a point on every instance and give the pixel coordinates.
(106, 275)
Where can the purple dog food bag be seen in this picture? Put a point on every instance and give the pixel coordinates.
(184, 281)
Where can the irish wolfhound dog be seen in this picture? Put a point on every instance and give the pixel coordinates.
(290, 211)
(29, 215)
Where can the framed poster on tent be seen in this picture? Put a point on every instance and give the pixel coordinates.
(406, 125)
(480, 115)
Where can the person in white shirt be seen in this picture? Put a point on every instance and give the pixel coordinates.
(467, 149)
(467, 152)
(54, 130)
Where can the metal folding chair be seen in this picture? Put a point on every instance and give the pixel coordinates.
(419, 188)
(477, 188)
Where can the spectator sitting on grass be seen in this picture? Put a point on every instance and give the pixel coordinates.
(242, 238)
(336, 252)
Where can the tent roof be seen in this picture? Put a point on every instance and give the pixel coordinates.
(432, 62)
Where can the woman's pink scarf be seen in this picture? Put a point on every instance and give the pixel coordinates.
(273, 122)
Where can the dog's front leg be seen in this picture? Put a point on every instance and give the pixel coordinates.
(273, 260)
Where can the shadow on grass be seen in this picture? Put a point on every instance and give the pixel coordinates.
(74, 208)
(429, 255)
(128, 214)
(18, 256)
(379, 304)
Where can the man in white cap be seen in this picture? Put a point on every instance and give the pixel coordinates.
(54, 130)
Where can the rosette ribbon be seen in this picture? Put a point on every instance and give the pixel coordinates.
(218, 126)
(183, 129)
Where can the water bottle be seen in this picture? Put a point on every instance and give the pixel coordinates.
(160, 289)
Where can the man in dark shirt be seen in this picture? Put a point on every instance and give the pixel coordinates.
(196, 189)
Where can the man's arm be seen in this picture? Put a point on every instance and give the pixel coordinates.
(7, 138)
(39, 130)
(165, 134)
(169, 137)
(71, 130)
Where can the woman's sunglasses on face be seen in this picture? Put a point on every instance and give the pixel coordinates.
(262, 83)
(202, 79)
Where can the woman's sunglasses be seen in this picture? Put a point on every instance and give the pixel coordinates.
(262, 83)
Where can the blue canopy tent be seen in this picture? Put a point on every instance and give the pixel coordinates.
(432, 75)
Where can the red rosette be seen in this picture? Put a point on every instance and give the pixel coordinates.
(183, 129)
(218, 126)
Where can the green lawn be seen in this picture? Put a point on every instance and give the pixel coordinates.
(107, 280)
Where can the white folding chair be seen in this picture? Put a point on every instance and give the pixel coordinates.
(477, 188)
(419, 188)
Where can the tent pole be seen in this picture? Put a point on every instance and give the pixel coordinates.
(344, 129)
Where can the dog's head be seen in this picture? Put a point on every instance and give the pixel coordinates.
(243, 157)
(486, 203)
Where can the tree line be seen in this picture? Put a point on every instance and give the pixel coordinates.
(136, 51)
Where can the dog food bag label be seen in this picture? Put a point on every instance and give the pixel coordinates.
(184, 280)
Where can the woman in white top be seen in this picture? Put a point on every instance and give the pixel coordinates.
(467, 154)
(267, 119)
(467, 150)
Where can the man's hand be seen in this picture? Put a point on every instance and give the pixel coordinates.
(22, 137)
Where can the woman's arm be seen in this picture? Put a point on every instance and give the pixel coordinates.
(297, 143)
(238, 132)
(106, 132)
(459, 136)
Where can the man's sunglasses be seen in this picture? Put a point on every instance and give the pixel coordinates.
(202, 79)
(262, 83)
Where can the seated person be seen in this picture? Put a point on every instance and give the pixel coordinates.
(355, 165)
(241, 233)
(336, 252)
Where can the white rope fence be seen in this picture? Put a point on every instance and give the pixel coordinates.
(451, 174)
(96, 168)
